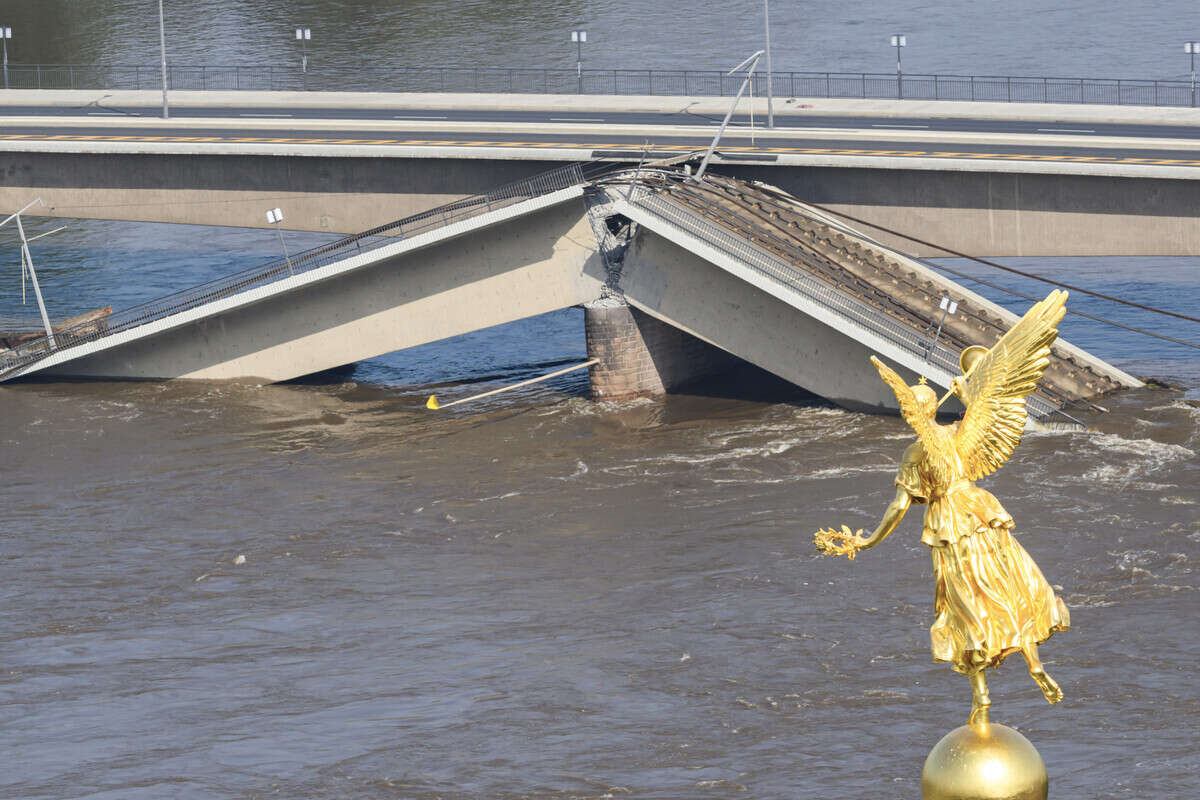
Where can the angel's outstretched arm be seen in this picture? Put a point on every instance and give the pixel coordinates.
(891, 518)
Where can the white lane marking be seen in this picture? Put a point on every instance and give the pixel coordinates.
(576, 119)
(899, 126)
(1065, 130)
(106, 113)
(418, 116)
(264, 115)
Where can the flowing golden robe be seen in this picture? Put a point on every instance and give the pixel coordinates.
(990, 598)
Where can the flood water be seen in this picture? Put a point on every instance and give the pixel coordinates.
(537, 596)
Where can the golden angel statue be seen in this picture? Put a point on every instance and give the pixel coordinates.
(990, 599)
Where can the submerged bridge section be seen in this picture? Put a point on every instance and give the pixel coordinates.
(680, 279)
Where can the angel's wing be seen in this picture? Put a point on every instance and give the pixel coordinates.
(991, 428)
(908, 402)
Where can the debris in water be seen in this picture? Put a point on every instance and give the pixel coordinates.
(241, 559)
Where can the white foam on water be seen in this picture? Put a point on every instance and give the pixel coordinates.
(1122, 462)
(838, 472)
(581, 469)
(504, 496)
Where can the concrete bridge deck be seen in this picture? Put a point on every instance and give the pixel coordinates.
(1032, 180)
(746, 269)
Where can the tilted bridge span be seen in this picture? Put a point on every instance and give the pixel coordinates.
(680, 280)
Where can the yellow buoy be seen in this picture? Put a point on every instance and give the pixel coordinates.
(432, 402)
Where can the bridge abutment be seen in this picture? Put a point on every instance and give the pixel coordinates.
(641, 356)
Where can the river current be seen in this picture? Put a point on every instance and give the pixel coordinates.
(537, 596)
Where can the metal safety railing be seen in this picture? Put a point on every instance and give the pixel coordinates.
(274, 270)
(687, 82)
(915, 342)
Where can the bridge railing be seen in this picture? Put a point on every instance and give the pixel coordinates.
(690, 83)
(915, 342)
(278, 269)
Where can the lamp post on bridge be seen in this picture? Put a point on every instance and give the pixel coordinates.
(303, 36)
(274, 217)
(162, 44)
(1192, 48)
(5, 35)
(579, 37)
(899, 40)
(770, 79)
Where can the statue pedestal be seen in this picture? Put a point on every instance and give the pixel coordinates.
(984, 762)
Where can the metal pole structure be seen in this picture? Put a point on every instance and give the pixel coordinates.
(275, 216)
(282, 244)
(898, 41)
(579, 37)
(5, 35)
(303, 35)
(1192, 48)
(162, 43)
(770, 92)
(37, 291)
(948, 306)
(753, 62)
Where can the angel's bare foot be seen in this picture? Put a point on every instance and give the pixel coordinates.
(1045, 682)
(1047, 685)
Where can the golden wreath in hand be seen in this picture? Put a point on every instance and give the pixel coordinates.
(845, 542)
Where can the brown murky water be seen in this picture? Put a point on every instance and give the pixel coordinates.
(546, 598)
(543, 598)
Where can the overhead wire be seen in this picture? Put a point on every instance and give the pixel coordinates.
(1023, 273)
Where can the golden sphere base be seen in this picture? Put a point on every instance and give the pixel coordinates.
(984, 762)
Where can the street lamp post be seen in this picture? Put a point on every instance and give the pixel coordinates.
(274, 217)
(770, 93)
(162, 43)
(5, 35)
(899, 40)
(1192, 48)
(579, 37)
(303, 36)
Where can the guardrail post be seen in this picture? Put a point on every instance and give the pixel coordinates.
(39, 75)
(1081, 91)
(864, 84)
(649, 80)
(1045, 90)
(1009, 89)
(71, 76)
(1118, 91)
(935, 88)
(972, 87)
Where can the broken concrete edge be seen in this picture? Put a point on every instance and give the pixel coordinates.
(788, 107)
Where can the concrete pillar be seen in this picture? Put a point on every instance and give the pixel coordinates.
(643, 357)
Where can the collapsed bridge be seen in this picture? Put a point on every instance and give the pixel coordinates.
(680, 279)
